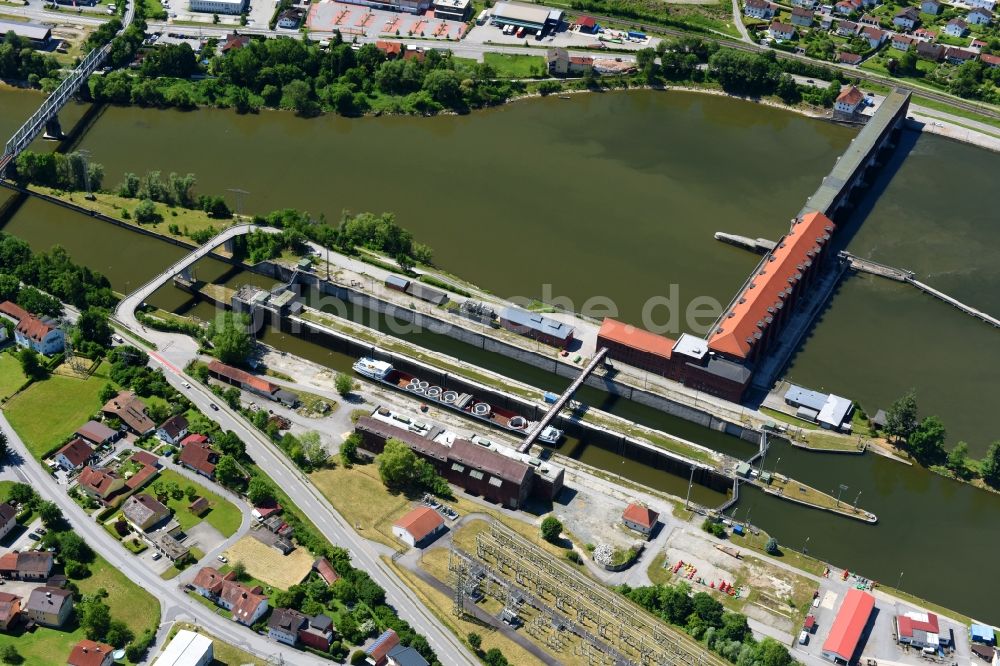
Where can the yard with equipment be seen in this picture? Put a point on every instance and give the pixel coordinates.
(50, 409)
(267, 564)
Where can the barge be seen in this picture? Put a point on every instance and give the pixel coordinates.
(466, 403)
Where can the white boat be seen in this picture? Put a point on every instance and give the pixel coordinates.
(369, 367)
(550, 435)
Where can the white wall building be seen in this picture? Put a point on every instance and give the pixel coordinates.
(219, 6)
(186, 649)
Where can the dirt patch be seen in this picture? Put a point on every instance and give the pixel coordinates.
(269, 565)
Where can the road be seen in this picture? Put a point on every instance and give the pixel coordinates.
(738, 22)
(175, 351)
(175, 605)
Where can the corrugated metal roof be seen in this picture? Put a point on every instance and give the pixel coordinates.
(536, 322)
(33, 31)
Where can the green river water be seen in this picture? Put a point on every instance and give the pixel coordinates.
(618, 195)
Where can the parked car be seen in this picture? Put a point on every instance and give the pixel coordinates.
(223, 559)
(157, 556)
(213, 406)
(34, 537)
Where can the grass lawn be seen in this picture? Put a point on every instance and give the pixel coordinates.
(50, 410)
(947, 108)
(224, 654)
(11, 377)
(187, 221)
(223, 516)
(515, 66)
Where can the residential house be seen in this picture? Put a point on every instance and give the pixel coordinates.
(844, 8)
(932, 7)
(377, 653)
(847, 28)
(847, 58)
(562, 63)
(825, 21)
(198, 456)
(925, 34)
(402, 655)
(144, 511)
(902, 42)
(318, 633)
(979, 16)
(99, 482)
(874, 36)
(781, 31)
(8, 519)
(235, 41)
(284, 625)
(74, 455)
(290, 19)
(956, 56)
(759, 9)
(390, 49)
(131, 411)
(989, 60)
(97, 433)
(806, 4)
(208, 582)
(640, 519)
(978, 44)
(30, 565)
(906, 18)
(419, 526)
(32, 332)
(956, 28)
(930, 51)
(325, 570)
(173, 430)
(145, 473)
(868, 19)
(989, 5)
(849, 100)
(49, 606)
(91, 653)
(10, 609)
(802, 17)
(247, 604)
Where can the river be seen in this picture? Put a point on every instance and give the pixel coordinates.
(549, 191)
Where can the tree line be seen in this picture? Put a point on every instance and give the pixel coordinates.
(21, 63)
(54, 272)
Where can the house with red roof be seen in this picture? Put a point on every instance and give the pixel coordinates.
(419, 526)
(99, 482)
(247, 604)
(990, 60)
(849, 100)
(198, 456)
(378, 652)
(920, 630)
(325, 570)
(91, 653)
(845, 634)
(74, 455)
(32, 332)
(640, 518)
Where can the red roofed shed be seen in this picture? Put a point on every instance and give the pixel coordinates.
(640, 518)
(848, 626)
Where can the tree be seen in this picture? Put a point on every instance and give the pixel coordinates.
(957, 459)
(230, 336)
(313, 448)
(10, 286)
(551, 529)
(397, 464)
(30, 365)
(95, 619)
(494, 657)
(770, 652)
(10, 655)
(119, 635)
(927, 441)
(22, 493)
(349, 449)
(344, 383)
(475, 641)
(706, 608)
(108, 391)
(93, 326)
(260, 491)
(227, 472)
(901, 417)
(4, 445)
(990, 465)
(145, 212)
(772, 546)
(239, 570)
(230, 444)
(50, 513)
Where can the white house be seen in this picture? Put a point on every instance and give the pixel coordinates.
(173, 430)
(8, 518)
(74, 455)
(806, 4)
(219, 6)
(418, 526)
(979, 16)
(875, 36)
(758, 9)
(956, 28)
(985, 4)
(849, 100)
(930, 7)
(781, 31)
(32, 332)
(284, 624)
(901, 42)
(906, 18)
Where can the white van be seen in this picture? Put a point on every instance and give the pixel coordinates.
(803, 637)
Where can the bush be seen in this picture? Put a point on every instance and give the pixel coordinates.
(772, 546)
(574, 557)
(357, 657)
(714, 528)
(551, 529)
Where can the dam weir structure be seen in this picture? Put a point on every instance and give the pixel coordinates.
(834, 198)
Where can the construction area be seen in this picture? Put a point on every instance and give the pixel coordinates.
(565, 606)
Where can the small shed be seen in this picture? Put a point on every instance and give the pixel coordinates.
(198, 506)
(743, 469)
(983, 634)
(396, 282)
(880, 420)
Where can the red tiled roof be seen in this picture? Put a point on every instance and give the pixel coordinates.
(581, 60)
(989, 59)
(243, 600)
(208, 578)
(744, 324)
(89, 653)
(198, 455)
(235, 41)
(242, 377)
(586, 22)
(27, 324)
(77, 452)
(145, 458)
(637, 338)
(8, 562)
(140, 477)
(10, 605)
(326, 570)
(382, 645)
(850, 95)
(849, 623)
(97, 479)
(420, 522)
(13, 310)
(640, 515)
(389, 48)
(194, 438)
(849, 58)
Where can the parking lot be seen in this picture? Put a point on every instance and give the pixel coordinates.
(327, 16)
(564, 37)
(258, 14)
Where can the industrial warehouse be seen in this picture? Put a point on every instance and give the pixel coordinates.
(723, 365)
(534, 19)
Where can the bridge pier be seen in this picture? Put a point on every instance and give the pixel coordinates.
(53, 130)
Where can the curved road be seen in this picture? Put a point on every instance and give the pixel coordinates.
(174, 603)
(175, 351)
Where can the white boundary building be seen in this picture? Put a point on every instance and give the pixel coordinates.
(186, 649)
(219, 6)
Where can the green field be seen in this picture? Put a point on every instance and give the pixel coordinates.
(48, 411)
(128, 602)
(11, 377)
(223, 516)
(515, 66)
